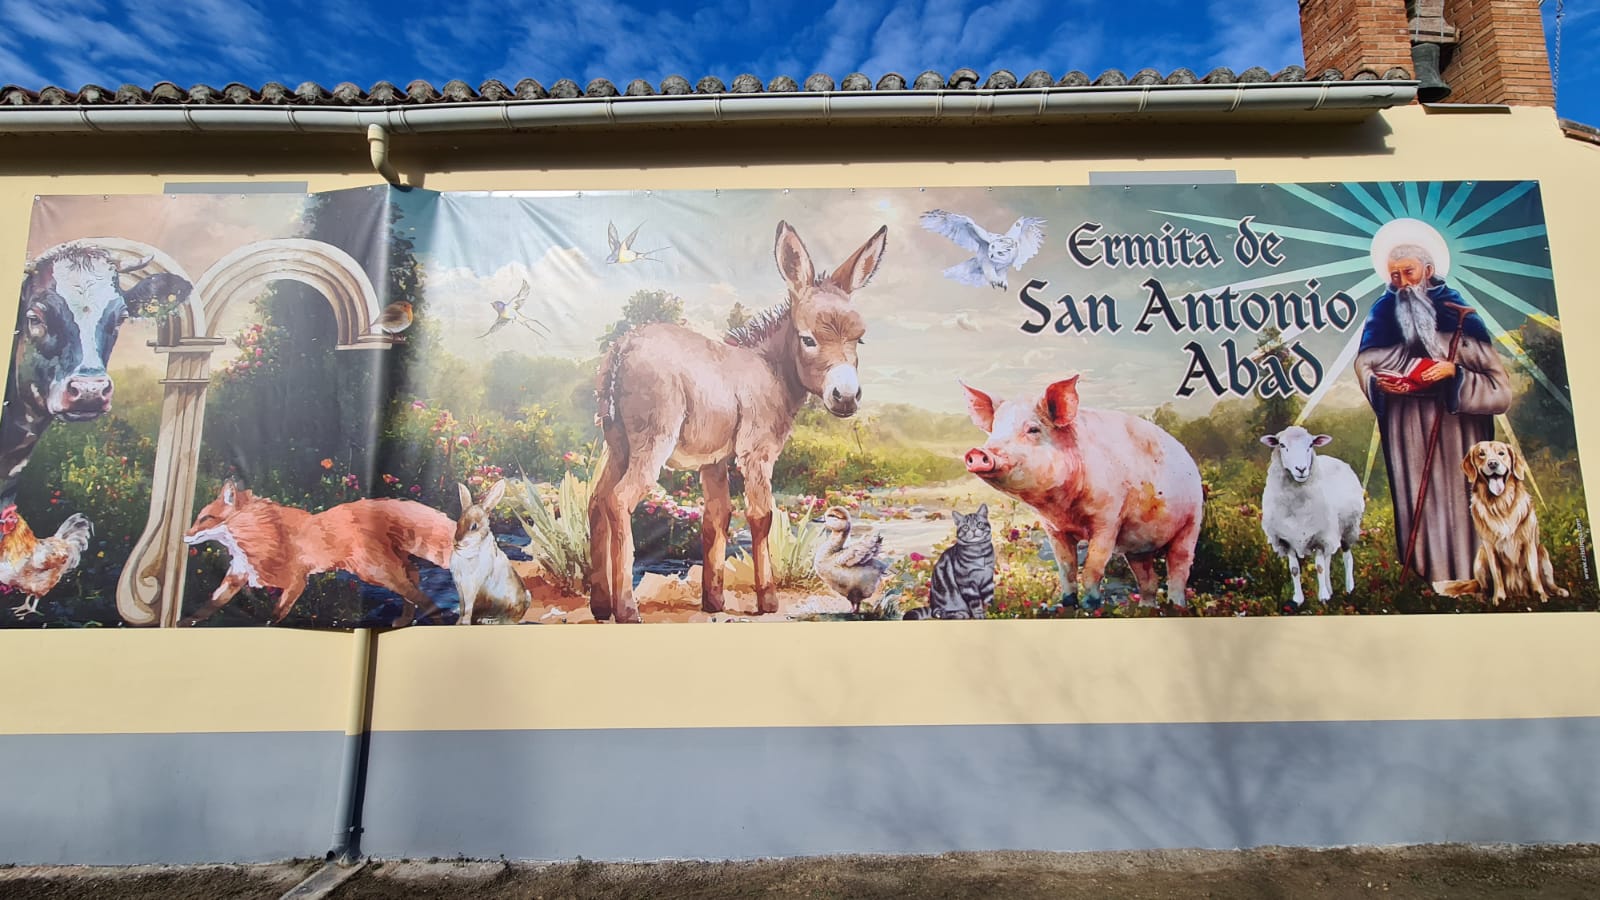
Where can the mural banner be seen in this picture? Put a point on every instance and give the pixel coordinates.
(384, 407)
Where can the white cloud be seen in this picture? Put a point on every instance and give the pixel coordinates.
(1249, 33)
(137, 41)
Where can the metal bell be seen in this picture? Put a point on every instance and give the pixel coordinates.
(1431, 88)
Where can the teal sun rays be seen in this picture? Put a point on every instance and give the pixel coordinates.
(1482, 224)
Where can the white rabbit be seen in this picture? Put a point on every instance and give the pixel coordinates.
(488, 586)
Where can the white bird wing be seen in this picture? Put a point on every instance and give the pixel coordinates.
(862, 553)
(521, 297)
(611, 236)
(969, 273)
(961, 229)
(1028, 232)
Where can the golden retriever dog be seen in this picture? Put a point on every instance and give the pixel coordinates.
(1511, 564)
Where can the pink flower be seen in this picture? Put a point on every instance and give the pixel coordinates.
(418, 404)
(475, 480)
(416, 489)
(464, 441)
(917, 557)
(258, 353)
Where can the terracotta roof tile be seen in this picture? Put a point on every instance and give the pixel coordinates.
(419, 92)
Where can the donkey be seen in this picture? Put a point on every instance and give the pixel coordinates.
(669, 396)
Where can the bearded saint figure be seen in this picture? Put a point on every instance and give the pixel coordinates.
(1406, 369)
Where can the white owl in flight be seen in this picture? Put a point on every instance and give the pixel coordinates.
(995, 252)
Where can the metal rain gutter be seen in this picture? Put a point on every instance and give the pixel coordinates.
(949, 107)
(513, 115)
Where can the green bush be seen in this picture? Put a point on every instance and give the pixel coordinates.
(556, 520)
(792, 543)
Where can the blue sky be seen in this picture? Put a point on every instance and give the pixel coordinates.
(111, 42)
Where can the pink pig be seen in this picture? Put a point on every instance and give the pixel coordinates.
(1115, 480)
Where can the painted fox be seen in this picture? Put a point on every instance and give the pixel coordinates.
(277, 546)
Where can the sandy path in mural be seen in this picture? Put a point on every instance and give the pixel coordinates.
(917, 527)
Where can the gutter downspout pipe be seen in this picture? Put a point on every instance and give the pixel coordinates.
(378, 142)
(344, 860)
(353, 773)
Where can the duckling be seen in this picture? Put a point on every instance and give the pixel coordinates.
(852, 571)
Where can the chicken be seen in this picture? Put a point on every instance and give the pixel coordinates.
(35, 565)
(852, 571)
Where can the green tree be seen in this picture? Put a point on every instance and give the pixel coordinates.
(738, 317)
(644, 308)
(1273, 414)
(291, 400)
(1538, 416)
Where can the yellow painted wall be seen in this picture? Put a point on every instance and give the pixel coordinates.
(1421, 667)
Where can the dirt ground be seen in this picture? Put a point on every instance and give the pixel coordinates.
(1427, 873)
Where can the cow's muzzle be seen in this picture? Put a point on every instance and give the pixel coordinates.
(85, 397)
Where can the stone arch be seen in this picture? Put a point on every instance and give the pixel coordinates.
(152, 584)
(247, 272)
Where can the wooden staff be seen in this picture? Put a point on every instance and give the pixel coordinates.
(1433, 440)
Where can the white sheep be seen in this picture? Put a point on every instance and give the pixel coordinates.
(1311, 506)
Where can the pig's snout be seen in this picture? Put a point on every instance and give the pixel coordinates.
(982, 462)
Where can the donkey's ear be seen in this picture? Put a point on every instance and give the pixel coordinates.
(854, 273)
(980, 407)
(794, 261)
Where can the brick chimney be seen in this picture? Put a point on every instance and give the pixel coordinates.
(1493, 51)
(1351, 35)
(1500, 55)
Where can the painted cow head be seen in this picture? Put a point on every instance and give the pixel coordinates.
(72, 308)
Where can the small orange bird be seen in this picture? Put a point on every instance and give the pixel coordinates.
(397, 317)
(35, 565)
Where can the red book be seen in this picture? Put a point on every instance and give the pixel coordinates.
(1415, 373)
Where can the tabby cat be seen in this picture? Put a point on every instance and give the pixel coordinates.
(963, 576)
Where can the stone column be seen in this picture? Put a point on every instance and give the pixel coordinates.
(151, 586)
